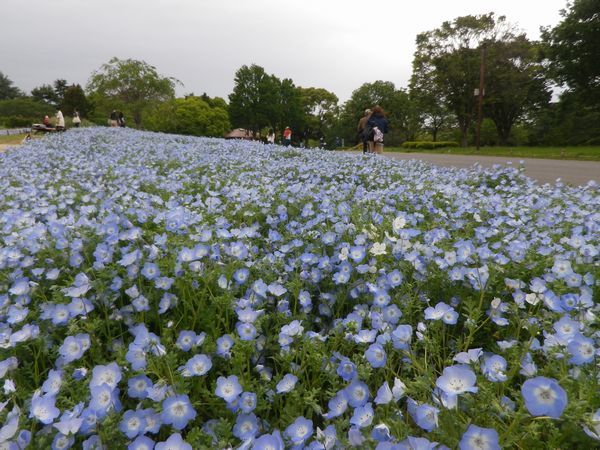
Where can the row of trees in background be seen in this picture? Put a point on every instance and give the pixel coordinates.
(521, 77)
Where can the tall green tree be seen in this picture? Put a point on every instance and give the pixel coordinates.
(289, 111)
(46, 94)
(190, 115)
(515, 83)
(428, 98)
(450, 56)
(573, 49)
(74, 98)
(255, 101)
(60, 87)
(7, 90)
(320, 108)
(132, 83)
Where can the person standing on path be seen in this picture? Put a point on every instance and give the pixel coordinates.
(379, 125)
(287, 136)
(362, 132)
(271, 136)
(114, 118)
(121, 119)
(76, 119)
(60, 120)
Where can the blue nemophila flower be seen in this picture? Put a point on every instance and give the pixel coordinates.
(592, 428)
(528, 367)
(196, 366)
(468, 357)
(381, 433)
(74, 347)
(363, 416)
(337, 405)
(246, 427)
(357, 393)
(104, 399)
(7, 365)
(287, 383)
(476, 438)
(299, 431)
(424, 415)
(53, 382)
(456, 380)
(355, 437)
(132, 424)
(247, 402)
(246, 331)
(376, 356)
(109, 375)
(62, 442)
(416, 443)
(224, 344)
(141, 443)
(43, 408)
(544, 397)
(188, 339)
(141, 303)
(346, 369)
(240, 276)
(269, 442)
(494, 368)
(365, 336)
(136, 356)
(139, 386)
(228, 388)
(150, 271)
(581, 349)
(174, 442)
(401, 337)
(443, 312)
(177, 411)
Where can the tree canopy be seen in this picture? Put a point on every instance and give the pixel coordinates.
(191, 115)
(447, 63)
(135, 84)
(573, 48)
(254, 102)
(7, 90)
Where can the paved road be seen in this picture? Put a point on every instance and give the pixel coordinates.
(543, 170)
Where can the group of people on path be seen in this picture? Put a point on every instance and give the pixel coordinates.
(286, 137)
(117, 119)
(59, 120)
(371, 129)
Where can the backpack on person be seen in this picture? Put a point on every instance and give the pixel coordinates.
(377, 135)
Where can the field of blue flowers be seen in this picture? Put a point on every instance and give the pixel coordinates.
(169, 292)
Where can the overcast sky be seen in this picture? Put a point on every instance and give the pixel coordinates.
(333, 44)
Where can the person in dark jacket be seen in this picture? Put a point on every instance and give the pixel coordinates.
(362, 131)
(379, 125)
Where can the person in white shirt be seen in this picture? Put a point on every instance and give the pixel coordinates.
(60, 120)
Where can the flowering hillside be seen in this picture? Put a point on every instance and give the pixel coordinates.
(169, 292)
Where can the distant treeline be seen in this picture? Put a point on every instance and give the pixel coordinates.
(521, 77)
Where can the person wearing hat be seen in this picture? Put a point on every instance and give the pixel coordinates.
(287, 136)
(363, 132)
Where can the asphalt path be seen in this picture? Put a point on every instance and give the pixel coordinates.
(576, 173)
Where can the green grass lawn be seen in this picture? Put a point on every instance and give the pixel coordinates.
(577, 153)
(11, 139)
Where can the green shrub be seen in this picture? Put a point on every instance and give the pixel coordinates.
(428, 145)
